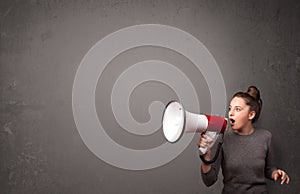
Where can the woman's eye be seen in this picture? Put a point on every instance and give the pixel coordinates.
(238, 109)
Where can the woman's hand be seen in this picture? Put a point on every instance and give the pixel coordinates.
(204, 141)
(282, 175)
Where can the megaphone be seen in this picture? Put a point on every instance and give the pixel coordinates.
(176, 121)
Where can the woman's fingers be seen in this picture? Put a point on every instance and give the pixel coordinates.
(288, 179)
(282, 175)
(284, 178)
(276, 176)
(204, 141)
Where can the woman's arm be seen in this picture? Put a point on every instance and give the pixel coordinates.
(206, 167)
(271, 171)
(209, 172)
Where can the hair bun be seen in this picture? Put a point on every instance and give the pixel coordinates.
(254, 92)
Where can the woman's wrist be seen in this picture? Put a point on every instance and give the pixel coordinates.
(206, 167)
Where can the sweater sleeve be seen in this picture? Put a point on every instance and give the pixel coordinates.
(211, 176)
(270, 163)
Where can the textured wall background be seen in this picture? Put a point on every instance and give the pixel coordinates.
(42, 44)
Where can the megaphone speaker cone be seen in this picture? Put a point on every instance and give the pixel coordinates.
(173, 121)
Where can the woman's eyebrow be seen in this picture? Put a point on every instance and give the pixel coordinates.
(235, 106)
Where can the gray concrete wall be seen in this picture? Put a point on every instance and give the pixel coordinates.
(43, 42)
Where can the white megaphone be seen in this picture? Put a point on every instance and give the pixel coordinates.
(177, 121)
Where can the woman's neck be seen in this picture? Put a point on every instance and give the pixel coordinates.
(246, 130)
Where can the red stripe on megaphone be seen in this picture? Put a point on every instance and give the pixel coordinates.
(216, 123)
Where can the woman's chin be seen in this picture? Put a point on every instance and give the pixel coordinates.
(234, 128)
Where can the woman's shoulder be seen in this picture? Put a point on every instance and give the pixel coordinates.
(264, 132)
(258, 132)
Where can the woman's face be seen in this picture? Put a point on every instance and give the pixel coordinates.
(239, 114)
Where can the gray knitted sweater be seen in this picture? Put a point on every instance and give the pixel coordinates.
(246, 161)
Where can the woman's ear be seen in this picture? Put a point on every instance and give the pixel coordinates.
(251, 115)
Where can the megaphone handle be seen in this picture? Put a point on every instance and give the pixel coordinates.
(214, 158)
(213, 136)
(216, 154)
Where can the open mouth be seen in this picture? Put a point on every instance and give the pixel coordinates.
(232, 121)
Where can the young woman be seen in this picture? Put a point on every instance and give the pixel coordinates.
(246, 157)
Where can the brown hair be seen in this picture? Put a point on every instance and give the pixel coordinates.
(252, 98)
